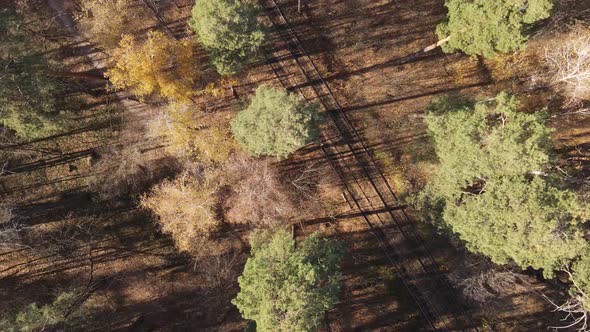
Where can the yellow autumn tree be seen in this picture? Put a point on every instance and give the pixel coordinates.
(106, 20)
(185, 208)
(159, 65)
(193, 133)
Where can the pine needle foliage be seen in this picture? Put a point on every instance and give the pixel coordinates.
(276, 123)
(484, 27)
(581, 280)
(285, 287)
(39, 318)
(27, 92)
(492, 186)
(229, 30)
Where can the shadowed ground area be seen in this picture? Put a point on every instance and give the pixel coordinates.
(83, 238)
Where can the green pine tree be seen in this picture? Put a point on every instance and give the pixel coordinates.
(276, 123)
(285, 288)
(38, 318)
(27, 93)
(492, 188)
(581, 281)
(229, 29)
(484, 27)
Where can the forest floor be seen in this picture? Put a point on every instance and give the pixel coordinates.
(365, 50)
(87, 237)
(140, 282)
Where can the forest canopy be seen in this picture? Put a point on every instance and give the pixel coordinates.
(166, 165)
(108, 20)
(493, 188)
(276, 123)
(288, 288)
(483, 27)
(229, 29)
(160, 65)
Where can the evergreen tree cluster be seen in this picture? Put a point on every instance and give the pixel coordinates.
(495, 189)
(276, 123)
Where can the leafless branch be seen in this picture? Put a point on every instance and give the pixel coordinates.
(576, 316)
(10, 228)
(570, 61)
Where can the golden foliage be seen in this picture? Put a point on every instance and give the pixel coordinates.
(106, 20)
(159, 65)
(217, 89)
(185, 208)
(193, 133)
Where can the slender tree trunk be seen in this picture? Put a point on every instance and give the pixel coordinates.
(437, 44)
(78, 75)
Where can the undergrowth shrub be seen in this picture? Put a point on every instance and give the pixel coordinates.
(39, 318)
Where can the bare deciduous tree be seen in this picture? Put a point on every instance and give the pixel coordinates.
(575, 309)
(314, 180)
(259, 196)
(126, 170)
(220, 269)
(10, 228)
(569, 59)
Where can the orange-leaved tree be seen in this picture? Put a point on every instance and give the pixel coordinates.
(159, 65)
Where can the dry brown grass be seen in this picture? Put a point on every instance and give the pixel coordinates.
(516, 68)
